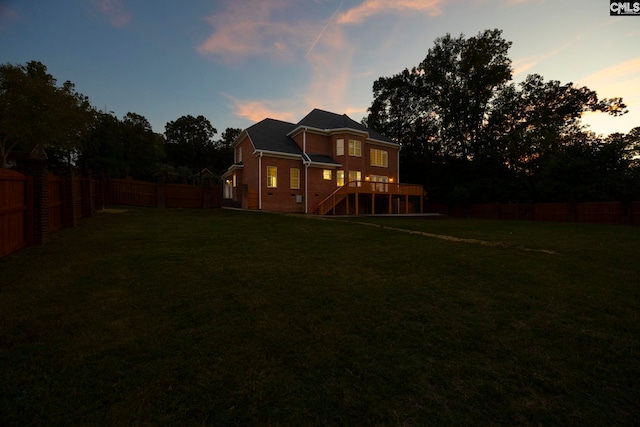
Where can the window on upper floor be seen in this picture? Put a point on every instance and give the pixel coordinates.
(379, 158)
(272, 177)
(239, 154)
(339, 147)
(355, 148)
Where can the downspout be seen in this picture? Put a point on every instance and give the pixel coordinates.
(398, 179)
(260, 181)
(399, 148)
(306, 168)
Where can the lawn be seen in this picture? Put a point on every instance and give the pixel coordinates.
(216, 317)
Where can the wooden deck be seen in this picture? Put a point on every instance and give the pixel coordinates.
(366, 197)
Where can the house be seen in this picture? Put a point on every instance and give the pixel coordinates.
(325, 164)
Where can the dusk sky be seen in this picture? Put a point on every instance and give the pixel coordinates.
(237, 62)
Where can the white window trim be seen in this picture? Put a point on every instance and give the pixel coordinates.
(272, 180)
(291, 173)
(355, 148)
(379, 158)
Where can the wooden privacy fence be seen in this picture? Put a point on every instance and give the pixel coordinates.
(15, 210)
(131, 192)
(35, 203)
(589, 212)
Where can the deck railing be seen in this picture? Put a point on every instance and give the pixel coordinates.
(368, 187)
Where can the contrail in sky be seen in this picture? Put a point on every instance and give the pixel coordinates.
(323, 30)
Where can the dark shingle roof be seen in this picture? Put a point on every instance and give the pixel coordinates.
(271, 135)
(321, 119)
(321, 158)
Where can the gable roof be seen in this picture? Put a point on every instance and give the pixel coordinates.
(271, 135)
(327, 120)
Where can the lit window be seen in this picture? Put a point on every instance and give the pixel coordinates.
(379, 158)
(340, 178)
(355, 148)
(326, 174)
(294, 178)
(354, 179)
(234, 180)
(339, 147)
(379, 183)
(272, 176)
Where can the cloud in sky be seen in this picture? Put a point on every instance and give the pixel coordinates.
(246, 28)
(522, 65)
(282, 31)
(369, 8)
(620, 80)
(114, 10)
(8, 15)
(257, 109)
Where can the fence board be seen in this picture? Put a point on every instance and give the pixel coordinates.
(133, 193)
(77, 189)
(555, 212)
(183, 196)
(516, 212)
(13, 211)
(634, 215)
(252, 199)
(483, 211)
(600, 212)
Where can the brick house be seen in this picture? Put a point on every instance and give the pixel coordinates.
(325, 164)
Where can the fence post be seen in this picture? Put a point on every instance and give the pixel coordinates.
(37, 170)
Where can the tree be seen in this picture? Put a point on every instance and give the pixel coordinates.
(189, 142)
(122, 148)
(444, 101)
(228, 137)
(463, 124)
(34, 111)
(224, 150)
(74, 117)
(102, 150)
(140, 147)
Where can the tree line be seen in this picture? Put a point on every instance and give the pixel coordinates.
(470, 134)
(37, 112)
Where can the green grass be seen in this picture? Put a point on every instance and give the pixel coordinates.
(194, 317)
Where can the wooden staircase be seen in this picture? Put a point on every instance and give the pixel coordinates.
(330, 202)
